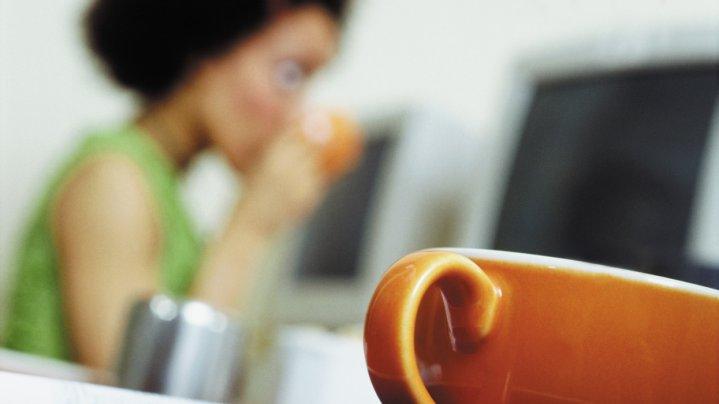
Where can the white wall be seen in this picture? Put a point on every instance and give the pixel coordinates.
(49, 93)
(454, 55)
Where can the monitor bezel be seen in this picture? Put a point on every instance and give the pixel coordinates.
(413, 180)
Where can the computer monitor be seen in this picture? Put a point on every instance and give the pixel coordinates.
(615, 160)
(406, 194)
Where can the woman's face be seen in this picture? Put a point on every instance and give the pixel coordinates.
(250, 93)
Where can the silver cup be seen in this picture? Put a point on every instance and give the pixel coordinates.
(181, 348)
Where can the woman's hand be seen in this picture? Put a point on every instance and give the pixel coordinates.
(284, 187)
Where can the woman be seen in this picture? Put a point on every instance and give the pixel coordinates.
(227, 74)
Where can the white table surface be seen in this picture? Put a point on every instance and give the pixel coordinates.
(315, 367)
(19, 362)
(17, 388)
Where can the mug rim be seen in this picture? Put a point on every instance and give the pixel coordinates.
(566, 264)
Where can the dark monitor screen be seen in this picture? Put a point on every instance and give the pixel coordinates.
(331, 246)
(606, 170)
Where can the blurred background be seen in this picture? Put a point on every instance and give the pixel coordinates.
(579, 129)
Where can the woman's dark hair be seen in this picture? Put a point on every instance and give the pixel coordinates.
(149, 45)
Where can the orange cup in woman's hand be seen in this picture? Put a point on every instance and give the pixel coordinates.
(339, 137)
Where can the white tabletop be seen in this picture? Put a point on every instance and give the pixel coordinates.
(19, 388)
(19, 362)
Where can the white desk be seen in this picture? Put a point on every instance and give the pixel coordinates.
(18, 388)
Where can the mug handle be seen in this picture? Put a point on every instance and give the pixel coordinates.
(470, 300)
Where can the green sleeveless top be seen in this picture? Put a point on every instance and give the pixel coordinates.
(36, 322)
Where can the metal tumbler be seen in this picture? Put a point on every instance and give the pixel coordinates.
(181, 348)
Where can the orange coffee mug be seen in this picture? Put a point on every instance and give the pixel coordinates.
(481, 326)
(339, 138)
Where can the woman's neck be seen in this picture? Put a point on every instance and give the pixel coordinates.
(171, 125)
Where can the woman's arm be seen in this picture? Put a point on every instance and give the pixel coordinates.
(283, 188)
(106, 229)
(108, 235)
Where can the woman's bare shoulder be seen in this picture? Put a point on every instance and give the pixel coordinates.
(106, 199)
